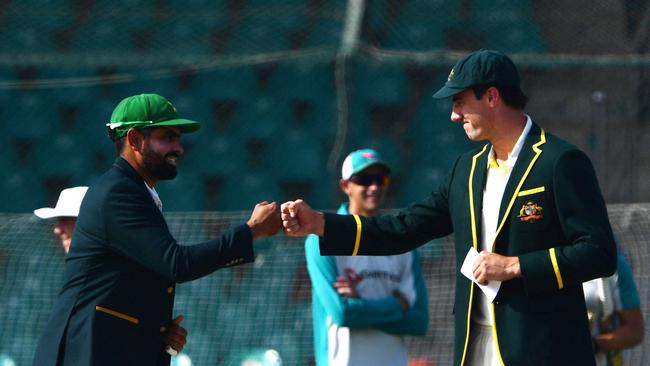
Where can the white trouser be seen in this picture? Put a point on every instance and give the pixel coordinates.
(482, 350)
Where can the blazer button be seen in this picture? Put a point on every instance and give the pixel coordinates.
(163, 329)
(170, 290)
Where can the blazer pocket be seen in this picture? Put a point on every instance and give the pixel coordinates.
(118, 314)
(528, 192)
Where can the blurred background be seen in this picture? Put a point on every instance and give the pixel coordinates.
(284, 89)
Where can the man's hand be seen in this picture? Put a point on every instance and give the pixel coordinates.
(494, 267)
(346, 288)
(265, 220)
(175, 335)
(299, 219)
(403, 303)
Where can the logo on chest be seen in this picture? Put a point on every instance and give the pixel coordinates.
(530, 212)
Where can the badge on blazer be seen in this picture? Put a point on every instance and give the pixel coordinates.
(530, 212)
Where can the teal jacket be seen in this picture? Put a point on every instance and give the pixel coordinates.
(121, 274)
(552, 216)
(384, 314)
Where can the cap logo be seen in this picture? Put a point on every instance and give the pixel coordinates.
(368, 155)
(451, 74)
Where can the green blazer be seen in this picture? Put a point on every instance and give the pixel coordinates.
(121, 274)
(552, 216)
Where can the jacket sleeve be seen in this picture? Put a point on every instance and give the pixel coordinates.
(389, 234)
(582, 215)
(416, 320)
(354, 313)
(626, 285)
(136, 229)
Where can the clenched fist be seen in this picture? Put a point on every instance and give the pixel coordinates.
(265, 220)
(299, 219)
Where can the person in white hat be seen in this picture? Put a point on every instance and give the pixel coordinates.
(66, 212)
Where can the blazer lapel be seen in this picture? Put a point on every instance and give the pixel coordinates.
(476, 183)
(528, 155)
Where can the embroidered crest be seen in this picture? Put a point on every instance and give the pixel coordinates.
(451, 74)
(530, 212)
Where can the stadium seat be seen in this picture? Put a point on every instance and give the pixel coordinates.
(198, 7)
(506, 26)
(327, 32)
(226, 83)
(311, 81)
(297, 156)
(416, 37)
(35, 108)
(265, 30)
(24, 191)
(65, 155)
(261, 117)
(215, 155)
(379, 84)
(33, 33)
(242, 191)
(176, 35)
(439, 14)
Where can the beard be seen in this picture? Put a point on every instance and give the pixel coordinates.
(157, 164)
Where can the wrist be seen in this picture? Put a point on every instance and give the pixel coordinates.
(514, 268)
(319, 224)
(253, 229)
(402, 301)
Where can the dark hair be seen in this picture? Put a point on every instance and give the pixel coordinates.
(512, 96)
(119, 143)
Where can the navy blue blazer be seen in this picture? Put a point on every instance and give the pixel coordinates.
(121, 274)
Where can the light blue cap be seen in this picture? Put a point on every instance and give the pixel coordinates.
(359, 160)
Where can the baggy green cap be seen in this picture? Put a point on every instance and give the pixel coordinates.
(147, 110)
(482, 67)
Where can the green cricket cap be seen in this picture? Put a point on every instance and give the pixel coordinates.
(482, 67)
(144, 111)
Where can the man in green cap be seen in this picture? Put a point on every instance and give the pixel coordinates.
(528, 201)
(116, 305)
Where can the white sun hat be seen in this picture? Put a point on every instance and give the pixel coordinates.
(67, 205)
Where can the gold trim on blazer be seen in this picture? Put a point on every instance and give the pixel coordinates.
(556, 268)
(474, 244)
(531, 191)
(357, 239)
(117, 314)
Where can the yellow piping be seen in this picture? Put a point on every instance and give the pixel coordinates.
(357, 240)
(531, 191)
(474, 244)
(556, 268)
(118, 314)
(537, 151)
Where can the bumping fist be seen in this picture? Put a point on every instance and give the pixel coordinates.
(298, 219)
(265, 220)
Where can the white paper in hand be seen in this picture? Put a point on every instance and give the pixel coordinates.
(492, 288)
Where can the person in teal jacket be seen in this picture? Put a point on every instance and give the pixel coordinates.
(362, 306)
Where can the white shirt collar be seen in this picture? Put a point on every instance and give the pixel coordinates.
(512, 158)
(154, 196)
